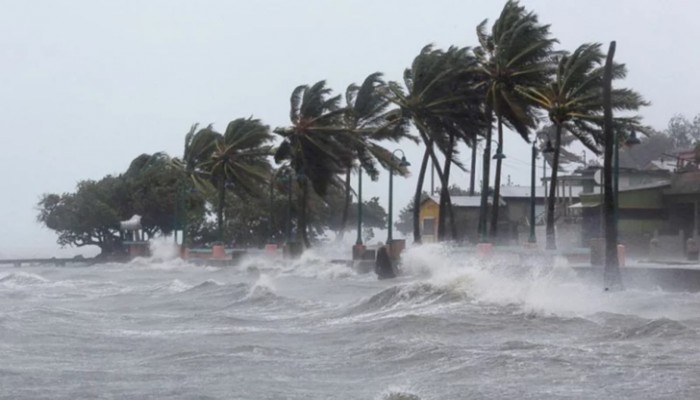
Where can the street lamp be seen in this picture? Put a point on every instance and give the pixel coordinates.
(272, 207)
(532, 238)
(499, 152)
(402, 163)
(547, 149)
(289, 205)
(359, 207)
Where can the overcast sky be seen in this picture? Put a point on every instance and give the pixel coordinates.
(85, 86)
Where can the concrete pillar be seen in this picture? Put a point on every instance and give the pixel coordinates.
(358, 251)
(396, 247)
(691, 250)
(218, 252)
(484, 249)
(621, 255)
(270, 248)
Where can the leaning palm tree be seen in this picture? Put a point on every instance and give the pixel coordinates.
(369, 120)
(515, 55)
(239, 161)
(199, 146)
(573, 100)
(311, 146)
(441, 100)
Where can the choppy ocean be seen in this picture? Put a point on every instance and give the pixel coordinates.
(451, 327)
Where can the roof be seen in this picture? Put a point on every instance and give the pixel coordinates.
(521, 191)
(465, 201)
(652, 185)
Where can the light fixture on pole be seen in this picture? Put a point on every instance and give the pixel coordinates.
(548, 148)
(499, 152)
(401, 163)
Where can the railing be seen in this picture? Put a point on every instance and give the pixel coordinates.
(17, 262)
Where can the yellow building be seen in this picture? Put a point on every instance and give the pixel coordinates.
(466, 209)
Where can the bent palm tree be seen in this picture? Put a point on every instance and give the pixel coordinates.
(442, 102)
(573, 100)
(311, 146)
(369, 119)
(239, 161)
(199, 146)
(514, 56)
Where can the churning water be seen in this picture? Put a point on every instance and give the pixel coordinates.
(449, 328)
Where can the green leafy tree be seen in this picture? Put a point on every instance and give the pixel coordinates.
(153, 186)
(683, 132)
(88, 217)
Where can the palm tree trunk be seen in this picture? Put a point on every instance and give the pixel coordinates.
(445, 193)
(612, 277)
(551, 238)
(417, 196)
(472, 173)
(302, 212)
(497, 183)
(483, 209)
(220, 211)
(346, 206)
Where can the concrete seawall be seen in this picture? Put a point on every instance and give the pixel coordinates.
(673, 279)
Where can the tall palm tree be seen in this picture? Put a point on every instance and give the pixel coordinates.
(441, 100)
(515, 55)
(573, 100)
(239, 161)
(370, 119)
(312, 147)
(199, 146)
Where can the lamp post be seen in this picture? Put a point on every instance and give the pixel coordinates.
(532, 238)
(289, 206)
(269, 221)
(548, 149)
(359, 207)
(499, 152)
(402, 163)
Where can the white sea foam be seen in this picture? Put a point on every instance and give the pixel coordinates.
(22, 279)
(542, 287)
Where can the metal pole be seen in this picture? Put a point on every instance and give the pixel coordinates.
(472, 173)
(391, 193)
(483, 215)
(616, 182)
(289, 208)
(532, 238)
(269, 222)
(178, 199)
(432, 178)
(359, 207)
